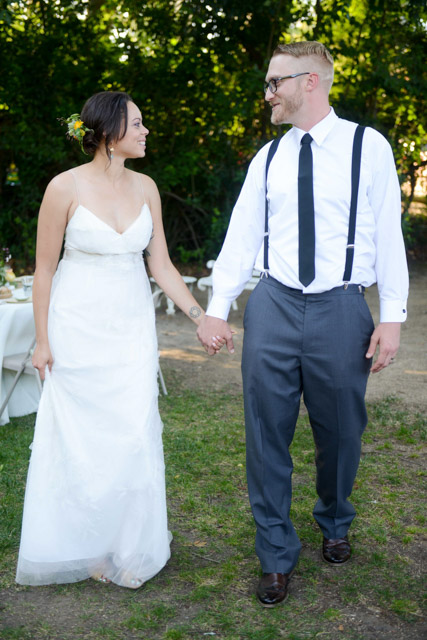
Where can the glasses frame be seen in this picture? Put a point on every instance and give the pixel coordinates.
(272, 84)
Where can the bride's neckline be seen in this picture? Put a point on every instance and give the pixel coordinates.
(81, 206)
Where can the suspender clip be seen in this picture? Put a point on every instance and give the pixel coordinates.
(264, 273)
(345, 286)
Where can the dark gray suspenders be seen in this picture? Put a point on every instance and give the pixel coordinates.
(355, 179)
(272, 150)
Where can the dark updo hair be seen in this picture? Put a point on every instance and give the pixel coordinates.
(106, 113)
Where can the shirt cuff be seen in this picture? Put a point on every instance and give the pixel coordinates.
(393, 310)
(219, 307)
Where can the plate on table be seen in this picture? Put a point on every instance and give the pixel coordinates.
(18, 300)
(21, 295)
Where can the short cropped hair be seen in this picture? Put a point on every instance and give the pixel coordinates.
(106, 113)
(320, 57)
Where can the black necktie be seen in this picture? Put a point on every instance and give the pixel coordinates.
(306, 212)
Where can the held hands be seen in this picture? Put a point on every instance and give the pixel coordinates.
(387, 337)
(42, 357)
(213, 333)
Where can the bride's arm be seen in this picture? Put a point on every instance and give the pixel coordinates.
(50, 233)
(159, 262)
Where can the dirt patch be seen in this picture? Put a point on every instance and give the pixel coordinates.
(185, 362)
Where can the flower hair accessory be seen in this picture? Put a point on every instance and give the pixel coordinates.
(76, 128)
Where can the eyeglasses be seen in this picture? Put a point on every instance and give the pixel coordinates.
(272, 84)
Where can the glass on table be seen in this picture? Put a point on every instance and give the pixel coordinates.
(27, 284)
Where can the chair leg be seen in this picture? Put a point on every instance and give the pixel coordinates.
(18, 375)
(12, 388)
(39, 382)
(170, 307)
(162, 382)
(157, 294)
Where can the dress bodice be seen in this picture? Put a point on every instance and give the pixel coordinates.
(86, 232)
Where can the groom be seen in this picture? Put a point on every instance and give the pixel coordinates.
(308, 329)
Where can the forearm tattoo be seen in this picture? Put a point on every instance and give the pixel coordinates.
(194, 312)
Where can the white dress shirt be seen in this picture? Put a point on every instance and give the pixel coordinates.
(379, 254)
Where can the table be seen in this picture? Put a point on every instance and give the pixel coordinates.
(16, 334)
(158, 292)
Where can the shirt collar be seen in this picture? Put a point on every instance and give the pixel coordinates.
(321, 129)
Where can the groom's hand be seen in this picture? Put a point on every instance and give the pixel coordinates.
(210, 329)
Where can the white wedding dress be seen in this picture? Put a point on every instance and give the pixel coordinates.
(95, 498)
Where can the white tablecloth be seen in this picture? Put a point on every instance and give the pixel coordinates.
(16, 334)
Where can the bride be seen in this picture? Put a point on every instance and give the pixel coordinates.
(95, 498)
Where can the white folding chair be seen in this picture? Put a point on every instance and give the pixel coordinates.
(21, 363)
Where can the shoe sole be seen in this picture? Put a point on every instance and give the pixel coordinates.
(334, 564)
(276, 604)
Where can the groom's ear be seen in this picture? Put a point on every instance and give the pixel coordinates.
(312, 81)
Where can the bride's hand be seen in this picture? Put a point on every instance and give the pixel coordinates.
(42, 357)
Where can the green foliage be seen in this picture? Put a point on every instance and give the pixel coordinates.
(415, 232)
(195, 68)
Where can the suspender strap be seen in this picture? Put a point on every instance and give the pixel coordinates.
(355, 177)
(272, 150)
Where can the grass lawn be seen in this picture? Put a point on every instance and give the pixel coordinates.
(207, 588)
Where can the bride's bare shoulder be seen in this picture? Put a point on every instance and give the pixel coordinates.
(63, 188)
(62, 184)
(148, 183)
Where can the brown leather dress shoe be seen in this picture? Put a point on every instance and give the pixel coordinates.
(336, 551)
(273, 589)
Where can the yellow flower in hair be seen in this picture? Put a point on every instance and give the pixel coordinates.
(76, 128)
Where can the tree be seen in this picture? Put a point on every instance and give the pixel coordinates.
(195, 68)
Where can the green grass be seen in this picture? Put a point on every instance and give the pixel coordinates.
(207, 588)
